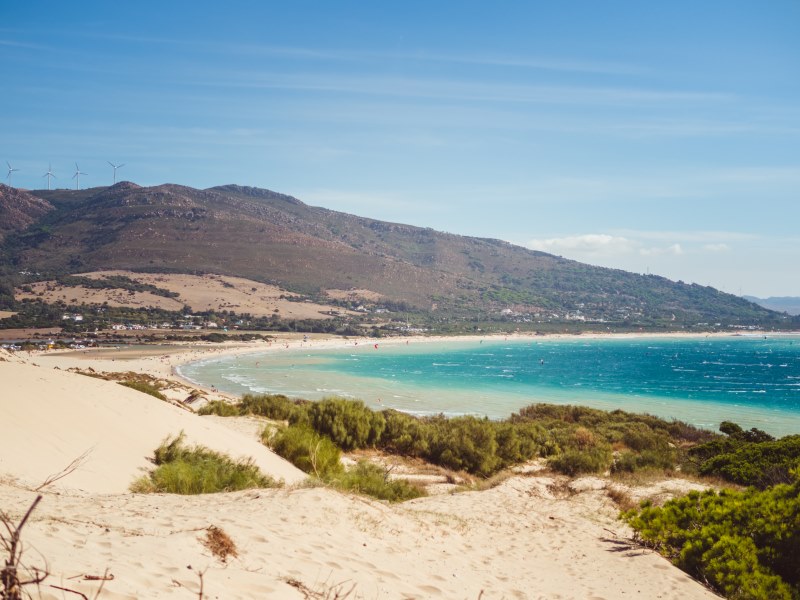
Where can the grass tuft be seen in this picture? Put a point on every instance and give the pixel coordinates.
(373, 480)
(197, 470)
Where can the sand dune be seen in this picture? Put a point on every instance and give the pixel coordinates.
(49, 417)
(526, 538)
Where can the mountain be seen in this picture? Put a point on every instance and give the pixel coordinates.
(274, 238)
(19, 210)
(787, 304)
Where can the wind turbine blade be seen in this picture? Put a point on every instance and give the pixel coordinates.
(120, 166)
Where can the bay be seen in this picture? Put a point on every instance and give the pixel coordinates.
(752, 380)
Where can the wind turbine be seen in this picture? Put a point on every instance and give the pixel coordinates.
(115, 169)
(77, 176)
(49, 174)
(10, 171)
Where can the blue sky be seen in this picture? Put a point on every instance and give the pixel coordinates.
(660, 137)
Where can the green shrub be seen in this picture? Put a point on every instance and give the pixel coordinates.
(306, 449)
(750, 457)
(746, 545)
(198, 470)
(629, 462)
(372, 480)
(221, 409)
(574, 461)
(348, 423)
(404, 434)
(464, 443)
(275, 406)
(146, 388)
(760, 464)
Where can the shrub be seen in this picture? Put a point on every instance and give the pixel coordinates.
(145, 388)
(373, 480)
(306, 449)
(275, 406)
(464, 444)
(221, 409)
(574, 461)
(744, 544)
(629, 462)
(198, 470)
(348, 423)
(760, 464)
(404, 434)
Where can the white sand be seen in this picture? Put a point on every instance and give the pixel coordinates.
(519, 540)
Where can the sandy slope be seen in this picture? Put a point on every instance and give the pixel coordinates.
(523, 539)
(49, 417)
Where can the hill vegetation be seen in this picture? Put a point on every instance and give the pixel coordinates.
(428, 276)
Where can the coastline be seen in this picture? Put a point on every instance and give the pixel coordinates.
(496, 543)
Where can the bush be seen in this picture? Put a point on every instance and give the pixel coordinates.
(760, 464)
(574, 461)
(630, 462)
(746, 545)
(275, 406)
(372, 480)
(145, 388)
(198, 470)
(348, 423)
(404, 434)
(748, 457)
(306, 449)
(465, 443)
(221, 409)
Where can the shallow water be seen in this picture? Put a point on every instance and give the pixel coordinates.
(754, 381)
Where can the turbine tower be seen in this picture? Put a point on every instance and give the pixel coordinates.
(49, 174)
(10, 171)
(115, 169)
(77, 176)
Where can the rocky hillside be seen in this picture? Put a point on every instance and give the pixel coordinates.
(274, 238)
(19, 210)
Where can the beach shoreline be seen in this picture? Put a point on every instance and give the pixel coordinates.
(535, 535)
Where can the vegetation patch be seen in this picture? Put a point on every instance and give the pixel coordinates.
(144, 387)
(748, 457)
(182, 469)
(576, 439)
(745, 545)
(306, 449)
(373, 480)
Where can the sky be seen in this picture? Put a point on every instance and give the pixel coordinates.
(655, 137)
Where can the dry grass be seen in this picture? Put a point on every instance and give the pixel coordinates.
(621, 498)
(220, 544)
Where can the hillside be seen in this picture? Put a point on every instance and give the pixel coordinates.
(19, 210)
(276, 239)
(787, 304)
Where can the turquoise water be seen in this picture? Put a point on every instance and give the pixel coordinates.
(752, 380)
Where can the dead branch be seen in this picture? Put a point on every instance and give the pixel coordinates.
(63, 589)
(68, 470)
(9, 578)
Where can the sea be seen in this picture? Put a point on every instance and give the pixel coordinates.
(753, 380)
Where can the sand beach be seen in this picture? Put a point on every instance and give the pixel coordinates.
(536, 535)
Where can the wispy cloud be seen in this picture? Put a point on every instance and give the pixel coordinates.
(605, 245)
(462, 89)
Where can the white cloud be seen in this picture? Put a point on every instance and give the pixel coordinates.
(594, 244)
(673, 249)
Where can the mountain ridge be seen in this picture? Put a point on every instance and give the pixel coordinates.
(275, 238)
